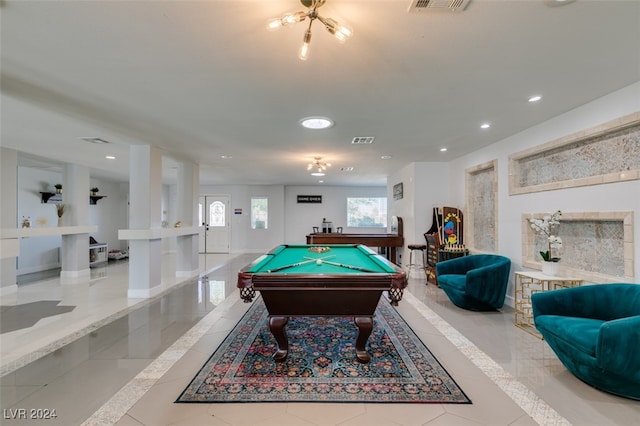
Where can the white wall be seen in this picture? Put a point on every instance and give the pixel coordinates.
(622, 196)
(425, 186)
(301, 217)
(289, 222)
(42, 253)
(243, 238)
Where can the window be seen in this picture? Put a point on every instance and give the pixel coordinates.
(370, 212)
(217, 214)
(259, 212)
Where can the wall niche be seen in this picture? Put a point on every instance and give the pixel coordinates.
(596, 246)
(606, 153)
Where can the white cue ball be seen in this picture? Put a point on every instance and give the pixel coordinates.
(319, 262)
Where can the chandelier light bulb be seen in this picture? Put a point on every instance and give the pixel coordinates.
(343, 33)
(293, 18)
(304, 50)
(274, 24)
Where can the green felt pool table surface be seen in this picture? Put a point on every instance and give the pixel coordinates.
(298, 259)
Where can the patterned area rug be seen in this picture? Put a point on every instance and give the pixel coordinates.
(321, 365)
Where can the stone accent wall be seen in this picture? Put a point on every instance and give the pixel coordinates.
(606, 153)
(481, 221)
(597, 246)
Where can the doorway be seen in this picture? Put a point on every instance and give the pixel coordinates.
(214, 217)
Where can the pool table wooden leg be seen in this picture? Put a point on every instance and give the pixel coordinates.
(395, 295)
(276, 325)
(365, 327)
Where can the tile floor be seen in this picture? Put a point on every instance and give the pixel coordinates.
(112, 360)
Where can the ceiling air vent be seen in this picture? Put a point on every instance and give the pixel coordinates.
(362, 140)
(95, 140)
(438, 5)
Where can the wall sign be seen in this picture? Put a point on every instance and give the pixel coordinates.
(397, 191)
(309, 198)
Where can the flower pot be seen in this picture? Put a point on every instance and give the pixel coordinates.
(550, 268)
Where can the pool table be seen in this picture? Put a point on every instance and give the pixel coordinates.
(333, 280)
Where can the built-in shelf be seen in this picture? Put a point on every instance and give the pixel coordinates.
(53, 198)
(98, 253)
(46, 231)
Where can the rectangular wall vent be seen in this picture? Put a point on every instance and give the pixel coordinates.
(362, 139)
(95, 140)
(438, 5)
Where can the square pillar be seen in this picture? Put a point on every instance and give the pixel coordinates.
(145, 211)
(187, 258)
(9, 248)
(75, 247)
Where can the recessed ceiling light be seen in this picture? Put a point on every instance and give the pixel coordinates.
(316, 123)
(386, 157)
(110, 157)
(226, 157)
(443, 149)
(535, 98)
(485, 125)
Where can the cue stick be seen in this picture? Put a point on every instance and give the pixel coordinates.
(357, 268)
(319, 258)
(304, 262)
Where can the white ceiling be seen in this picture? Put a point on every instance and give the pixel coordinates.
(202, 79)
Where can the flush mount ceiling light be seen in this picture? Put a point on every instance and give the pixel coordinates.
(340, 31)
(535, 98)
(316, 123)
(318, 167)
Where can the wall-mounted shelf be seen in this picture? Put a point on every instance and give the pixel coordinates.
(53, 198)
(50, 196)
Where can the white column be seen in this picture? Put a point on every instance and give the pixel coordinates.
(75, 247)
(145, 195)
(187, 259)
(9, 248)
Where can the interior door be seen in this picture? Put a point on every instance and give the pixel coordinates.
(214, 216)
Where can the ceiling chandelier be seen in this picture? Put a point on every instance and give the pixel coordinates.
(340, 31)
(318, 167)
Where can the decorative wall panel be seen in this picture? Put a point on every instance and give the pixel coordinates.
(482, 207)
(597, 246)
(606, 153)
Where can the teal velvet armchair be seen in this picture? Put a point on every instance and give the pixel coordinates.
(595, 332)
(477, 282)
